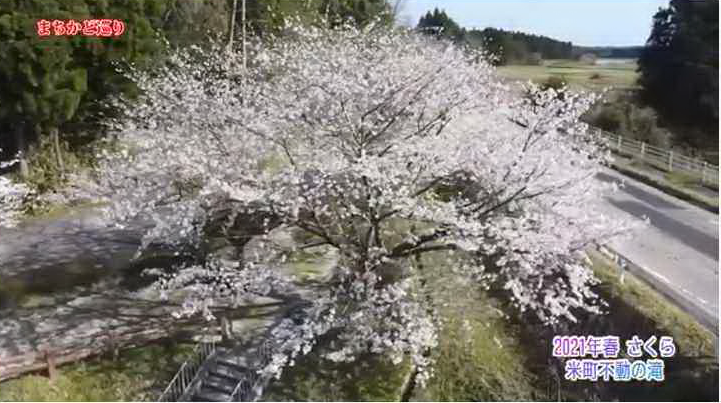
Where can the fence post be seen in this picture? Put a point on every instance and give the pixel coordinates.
(226, 328)
(703, 173)
(643, 149)
(621, 268)
(618, 146)
(50, 360)
(670, 161)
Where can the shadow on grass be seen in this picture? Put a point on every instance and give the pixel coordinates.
(313, 378)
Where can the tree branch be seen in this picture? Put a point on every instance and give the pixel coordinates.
(418, 251)
(405, 246)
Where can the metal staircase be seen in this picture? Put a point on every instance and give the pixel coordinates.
(187, 372)
(229, 373)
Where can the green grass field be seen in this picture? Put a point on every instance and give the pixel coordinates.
(621, 75)
(138, 374)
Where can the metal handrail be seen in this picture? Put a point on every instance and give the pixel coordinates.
(253, 381)
(185, 375)
(244, 387)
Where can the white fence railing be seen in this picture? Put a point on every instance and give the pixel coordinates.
(665, 160)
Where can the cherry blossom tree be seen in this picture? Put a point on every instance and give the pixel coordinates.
(381, 144)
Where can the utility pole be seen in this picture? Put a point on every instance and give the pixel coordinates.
(232, 23)
(243, 32)
(245, 57)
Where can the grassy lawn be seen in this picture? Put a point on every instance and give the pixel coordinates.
(481, 356)
(684, 179)
(371, 378)
(138, 374)
(577, 75)
(58, 211)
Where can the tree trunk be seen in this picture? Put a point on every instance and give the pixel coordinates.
(58, 154)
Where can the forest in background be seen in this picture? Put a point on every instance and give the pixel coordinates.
(513, 47)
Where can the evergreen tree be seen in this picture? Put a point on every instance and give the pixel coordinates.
(360, 11)
(439, 23)
(56, 84)
(507, 47)
(679, 69)
(268, 15)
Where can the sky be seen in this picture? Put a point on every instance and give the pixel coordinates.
(583, 22)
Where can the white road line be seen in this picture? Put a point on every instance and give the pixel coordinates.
(664, 279)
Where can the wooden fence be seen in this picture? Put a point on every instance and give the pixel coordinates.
(663, 159)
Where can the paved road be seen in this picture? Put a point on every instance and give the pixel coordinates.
(59, 253)
(681, 246)
(82, 234)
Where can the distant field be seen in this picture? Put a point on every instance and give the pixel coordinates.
(617, 73)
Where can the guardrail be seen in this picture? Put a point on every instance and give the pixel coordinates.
(686, 304)
(665, 160)
(186, 374)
